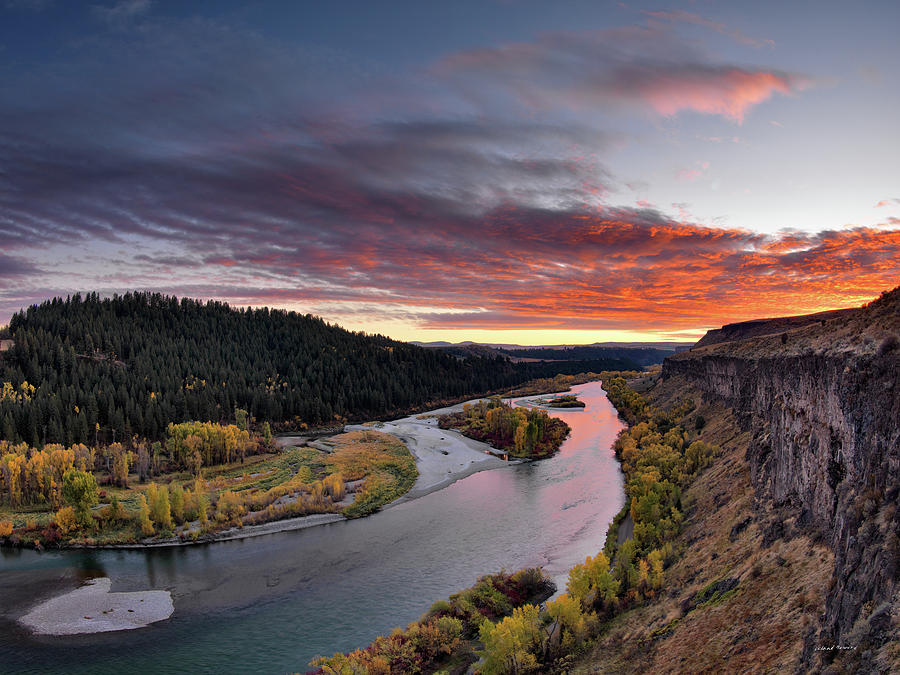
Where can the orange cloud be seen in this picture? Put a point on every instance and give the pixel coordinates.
(530, 269)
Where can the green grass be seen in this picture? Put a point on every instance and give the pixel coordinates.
(387, 465)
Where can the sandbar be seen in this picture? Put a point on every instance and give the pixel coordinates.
(443, 456)
(93, 609)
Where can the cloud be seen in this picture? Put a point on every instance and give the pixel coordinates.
(638, 66)
(209, 162)
(679, 16)
(690, 174)
(887, 202)
(122, 12)
(15, 267)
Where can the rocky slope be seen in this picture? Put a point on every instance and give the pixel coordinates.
(759, 327)
(820, 402)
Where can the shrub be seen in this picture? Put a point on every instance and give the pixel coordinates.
(65, 520)
(115, 512)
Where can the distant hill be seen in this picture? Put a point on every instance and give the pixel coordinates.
(105, 369)
(626, 354)
(641, 356)
(664, 346)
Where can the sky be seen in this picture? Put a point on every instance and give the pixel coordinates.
(530, 171)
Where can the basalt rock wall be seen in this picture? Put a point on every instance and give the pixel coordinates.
(825, 453)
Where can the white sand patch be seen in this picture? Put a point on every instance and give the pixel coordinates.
(443, 456)
(93, 609)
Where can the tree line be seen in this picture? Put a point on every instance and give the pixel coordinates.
(86, 369)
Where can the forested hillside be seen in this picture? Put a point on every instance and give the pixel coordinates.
(643, 356)
(94, 370)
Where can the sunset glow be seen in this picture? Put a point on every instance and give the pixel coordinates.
(522, 174)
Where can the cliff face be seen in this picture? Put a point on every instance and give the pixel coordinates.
(822, 405)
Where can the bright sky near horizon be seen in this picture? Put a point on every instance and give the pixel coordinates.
(529, 171)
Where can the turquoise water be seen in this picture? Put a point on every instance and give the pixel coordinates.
(269, 604)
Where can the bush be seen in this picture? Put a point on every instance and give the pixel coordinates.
(65, 520)
(80, 491)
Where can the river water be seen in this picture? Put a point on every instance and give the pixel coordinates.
(269, 604)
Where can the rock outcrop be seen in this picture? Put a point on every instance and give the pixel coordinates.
(822, 402)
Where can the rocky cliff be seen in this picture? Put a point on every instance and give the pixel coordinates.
(821, 402)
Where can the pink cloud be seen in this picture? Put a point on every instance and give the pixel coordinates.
(690, 174)
(639, 66)
(728, 92)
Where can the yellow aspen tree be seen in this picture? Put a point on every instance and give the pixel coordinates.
(643, 574)
(519, 438)
(177, 499)
(144, 516)
(203, 508)
(509, 645)
(160, 509)
(657, 576)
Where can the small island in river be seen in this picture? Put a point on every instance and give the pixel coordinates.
(519, 432)
(567, 401)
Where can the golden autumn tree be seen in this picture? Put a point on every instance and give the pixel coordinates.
(119, 464)
(510, 645)
(144, 516)
(160, 509)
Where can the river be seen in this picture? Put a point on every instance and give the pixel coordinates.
(269, 604)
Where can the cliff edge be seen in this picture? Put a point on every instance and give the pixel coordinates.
(820, 400)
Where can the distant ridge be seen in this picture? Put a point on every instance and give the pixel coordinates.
(665, 345)
(757, 327)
